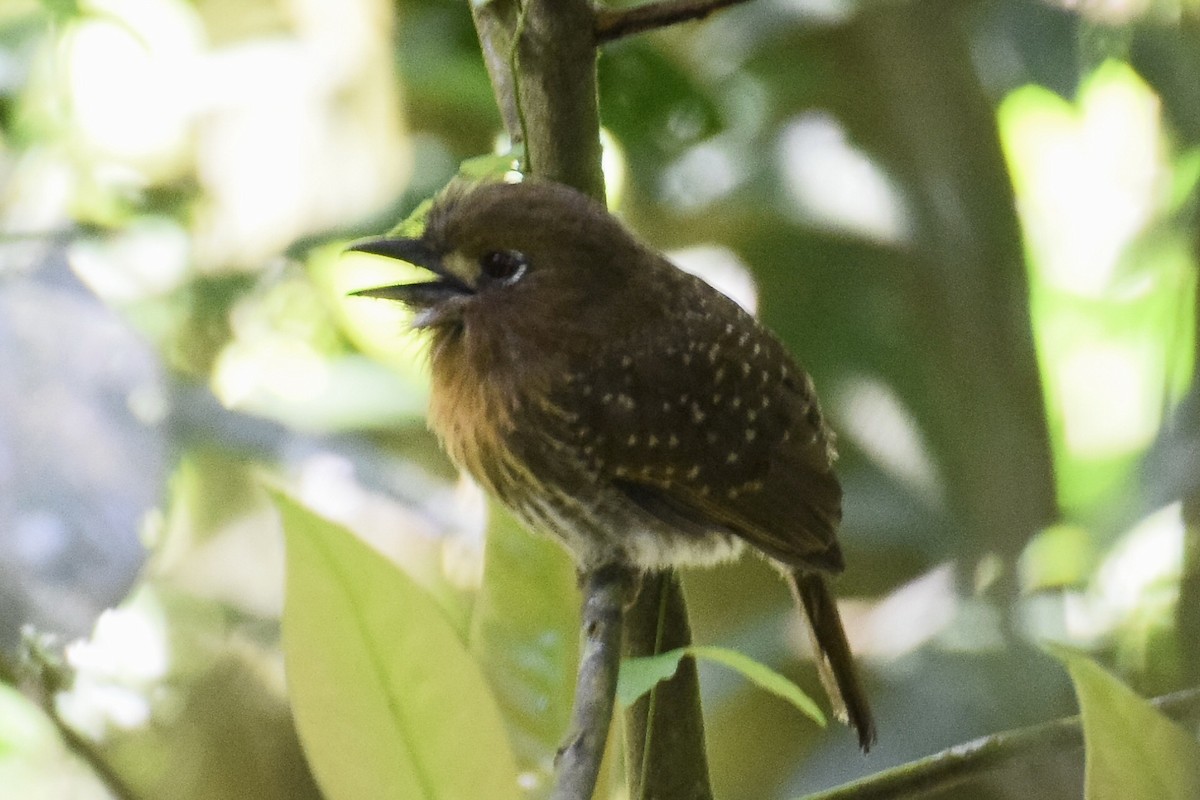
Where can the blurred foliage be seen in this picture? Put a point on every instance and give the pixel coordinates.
(974, 223)
(1163, 762)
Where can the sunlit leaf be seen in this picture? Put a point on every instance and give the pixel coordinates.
(640, 675)
(489, 166)
(1133, 751)
(388, 702)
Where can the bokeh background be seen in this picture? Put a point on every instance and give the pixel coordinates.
(974, 221)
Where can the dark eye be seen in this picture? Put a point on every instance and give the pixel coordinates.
(506, 266)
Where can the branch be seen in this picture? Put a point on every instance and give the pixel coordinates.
(495, 22)
(961, 763)
(664, 731)
(578, 762)
(553, 51)
(615, 23)
(548, 92)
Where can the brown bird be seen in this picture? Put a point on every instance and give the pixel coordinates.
(621, 405)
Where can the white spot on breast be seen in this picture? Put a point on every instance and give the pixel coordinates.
(652, 441)
(631, 441)
(697, 414)
(750, 434)
(673, 441)
(626, 361)
(732, 458)
(694, 472)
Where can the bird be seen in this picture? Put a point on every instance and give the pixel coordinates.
(620, 404)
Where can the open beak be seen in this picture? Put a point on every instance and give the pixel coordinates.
(423, 294)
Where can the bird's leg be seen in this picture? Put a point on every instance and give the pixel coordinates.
(578, 762)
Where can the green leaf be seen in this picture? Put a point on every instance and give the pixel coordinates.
(525, 635)
(388, 702)
(1133, 752)
(34, 761)
(639, 675)
(492, 167)
(413, 225)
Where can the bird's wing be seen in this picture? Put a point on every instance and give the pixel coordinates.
(706, 423)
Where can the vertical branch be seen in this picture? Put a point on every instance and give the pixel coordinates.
(664, 741)
(495, 24)
(558, 119)
(557, 60)
(579, 759)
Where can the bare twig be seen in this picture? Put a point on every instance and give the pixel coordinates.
(579, 759)
(495, 23)
(944, 770)
(614, 23)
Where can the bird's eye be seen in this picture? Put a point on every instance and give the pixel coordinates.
(505, 266)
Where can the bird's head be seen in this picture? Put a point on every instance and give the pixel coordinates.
(535, 255)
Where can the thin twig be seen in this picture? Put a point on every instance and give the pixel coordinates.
(494, 23)
(514, 59)
(614, 23)
(579, 759)
(944, 770)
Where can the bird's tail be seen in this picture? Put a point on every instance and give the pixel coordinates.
(835, 662)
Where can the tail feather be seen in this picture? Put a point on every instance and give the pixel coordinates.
(835, 662)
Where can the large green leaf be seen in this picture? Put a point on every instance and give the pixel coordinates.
(525, 635)
(1133, 751)
(388, 702)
